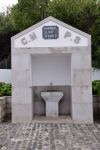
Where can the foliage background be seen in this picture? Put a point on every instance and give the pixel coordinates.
(82, 14)
(5, 89)
(96, 87)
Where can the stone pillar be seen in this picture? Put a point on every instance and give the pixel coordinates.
(22, 107)
(81, 82)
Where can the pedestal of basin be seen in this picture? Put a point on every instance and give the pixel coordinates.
(52, 99)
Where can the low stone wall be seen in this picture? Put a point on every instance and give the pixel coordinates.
(2, 108)
(8, 107)
(5, 108)
(96, 107)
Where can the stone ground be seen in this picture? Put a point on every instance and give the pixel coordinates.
(49, 136)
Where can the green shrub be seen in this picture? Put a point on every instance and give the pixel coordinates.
(5, 89)
(96, 87)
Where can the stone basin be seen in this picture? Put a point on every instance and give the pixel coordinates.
(52, 99)
(52, 96)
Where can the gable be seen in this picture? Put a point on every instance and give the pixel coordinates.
(50, 33)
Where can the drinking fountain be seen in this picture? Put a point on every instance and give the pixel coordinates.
(52, 99)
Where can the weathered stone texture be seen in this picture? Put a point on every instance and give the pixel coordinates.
(49, 136)
(2, 108)
(5, 108)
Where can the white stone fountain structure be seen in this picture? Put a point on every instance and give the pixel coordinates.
(51, 51)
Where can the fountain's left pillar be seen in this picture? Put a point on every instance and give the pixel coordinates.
(22, 110)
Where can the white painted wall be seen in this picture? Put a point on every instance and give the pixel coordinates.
(5, 75)
(47, 69)
(96, 74)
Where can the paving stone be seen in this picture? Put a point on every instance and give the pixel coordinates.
(49, 136)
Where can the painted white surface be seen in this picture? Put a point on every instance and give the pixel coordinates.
(38, 40)
(53, 69)
(5, 75)
(95, 74)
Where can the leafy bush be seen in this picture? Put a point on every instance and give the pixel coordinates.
(5, 89)
(96, 87)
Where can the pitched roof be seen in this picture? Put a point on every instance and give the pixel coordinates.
(54, 20)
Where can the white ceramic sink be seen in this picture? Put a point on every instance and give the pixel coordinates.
(52, 99)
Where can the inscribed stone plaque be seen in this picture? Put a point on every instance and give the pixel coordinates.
(50, 32)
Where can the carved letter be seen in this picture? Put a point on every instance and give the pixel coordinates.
(24, 41)
(67, 34)
(33, 36)
(77, 39)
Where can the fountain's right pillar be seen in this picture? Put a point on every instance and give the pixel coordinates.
(81, 83)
